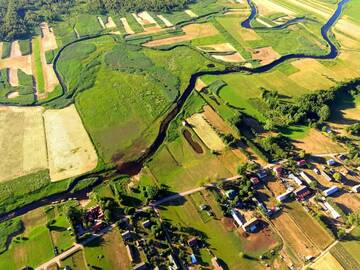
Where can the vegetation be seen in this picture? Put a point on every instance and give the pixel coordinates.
(8, 229)
(40, 83)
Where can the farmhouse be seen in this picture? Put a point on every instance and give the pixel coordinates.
(326, 176)
(173, 264)
(331, 162)
(215, 263)
(330, 191)
(284, 196)
(251, 225)
(230, 194)
(239, 219)
(356, 188)
(332, 210)
(302, 192)
(126, 236)
(255, 181)
(306, 177)
(131, 253)
(261, 174)
(146, 224)
(278, 171)
(296, 179)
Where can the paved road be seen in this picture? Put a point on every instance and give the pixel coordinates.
(74, 248)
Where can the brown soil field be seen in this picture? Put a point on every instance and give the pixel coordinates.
(216, 121)
(206, 133)
(48, 38)
(276, 187)
(317, 143)
(20, 62)
(146, 18)
(165, 21)
(327, 262)
(200, 85)
(269, 7)
(192, 31)
(22, 142)
(265, 55)
(127, 26)
(348, 202)
(191, 13)
(70, 149)
(110, 23)
(232, 58)
(294, 237)
(262, 240)
(15, 49)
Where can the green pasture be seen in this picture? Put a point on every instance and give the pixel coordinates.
(352, 245)
(25, 46)
(76, 261)
(40, 83)
(87, 24)
(6, 49)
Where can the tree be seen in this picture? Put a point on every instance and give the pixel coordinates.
(337, 176)
(324, 113)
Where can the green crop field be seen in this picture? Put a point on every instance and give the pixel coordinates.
(6, 49)
(87, 24)
(40, 83)
(25, 46)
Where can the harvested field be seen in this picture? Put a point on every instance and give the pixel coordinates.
(268, 7)
(146, 18)
(192, 31)
(294, 237)
(263, 22)
(200, 85)
(48, 38)
(276, 187)
(70, 149)
(110, 23)
(15, 49)
(348, 202)
(224, 52)
(165, 21)
(317, 143)
(216, 121)
(206, 133)
(191, 13)
(22, 142)
(327, 262)
(265, 55)
(127, 26)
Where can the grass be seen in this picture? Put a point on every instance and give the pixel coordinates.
(107, 252)
(6, 49)
(40, 82)
(226, 245)
(8, 229)
(25, 46)
(134, 25)
(352, 245)
(76, 261)
(61, 237)
(87, 24)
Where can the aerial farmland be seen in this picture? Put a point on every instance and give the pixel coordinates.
(182, 134)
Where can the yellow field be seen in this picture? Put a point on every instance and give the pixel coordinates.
(206, 133)
(70, 149)
(327, 262)
(22, 142)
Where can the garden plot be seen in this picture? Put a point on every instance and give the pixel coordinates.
(22, 142)
(127, 26)
(206, 133)
(265, 55)
(224, 52)
(165, 21)
(192, 31)
(48, 43)
(70, 149)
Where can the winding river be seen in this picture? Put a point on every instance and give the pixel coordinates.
(136, 165)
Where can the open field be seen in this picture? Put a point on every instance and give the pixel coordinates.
(346, 260)
(265, 55)
(127, 26)
(38, 65)
(70, 150)
(108, 252)
(224, 242)
(192, 31)
(206, 133)
(22, 141)
(348, 202)
(327, 262)
(76, 261)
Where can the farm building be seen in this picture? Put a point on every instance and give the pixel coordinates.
(193, 259)
(284, 196)
(251, 225)
(302, 192)
(356, 188)
(296, 179)
(215, 263)
(261, 174)
(306, 177)
(193, 242)
(326, 176)
(278, 171)
(254, 180)
(301, 163)
(126, 235)
(173, 264)
(146, 224)
(131, 253)
(330, 191)
(331, 162)
(141, 266)
(239, 219)
(332, 210)
(230, 194)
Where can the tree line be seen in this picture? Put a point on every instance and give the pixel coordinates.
(19, 18)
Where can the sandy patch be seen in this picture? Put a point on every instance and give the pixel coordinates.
(127, 26)
(206, 133)
(110, 23)
(327, 262)
(268, 7)
(22, 141)
(48, 38)
(224, 52)
(146, 18)
(19, 62)
(317, 143)
(165, 21)
(101, 22)
(192, 31)
(231, 58)
(12, 95)
(70, 149)
(265, 55)
(13, 77)
(190, 13)
(15, 49)
(199, 85)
